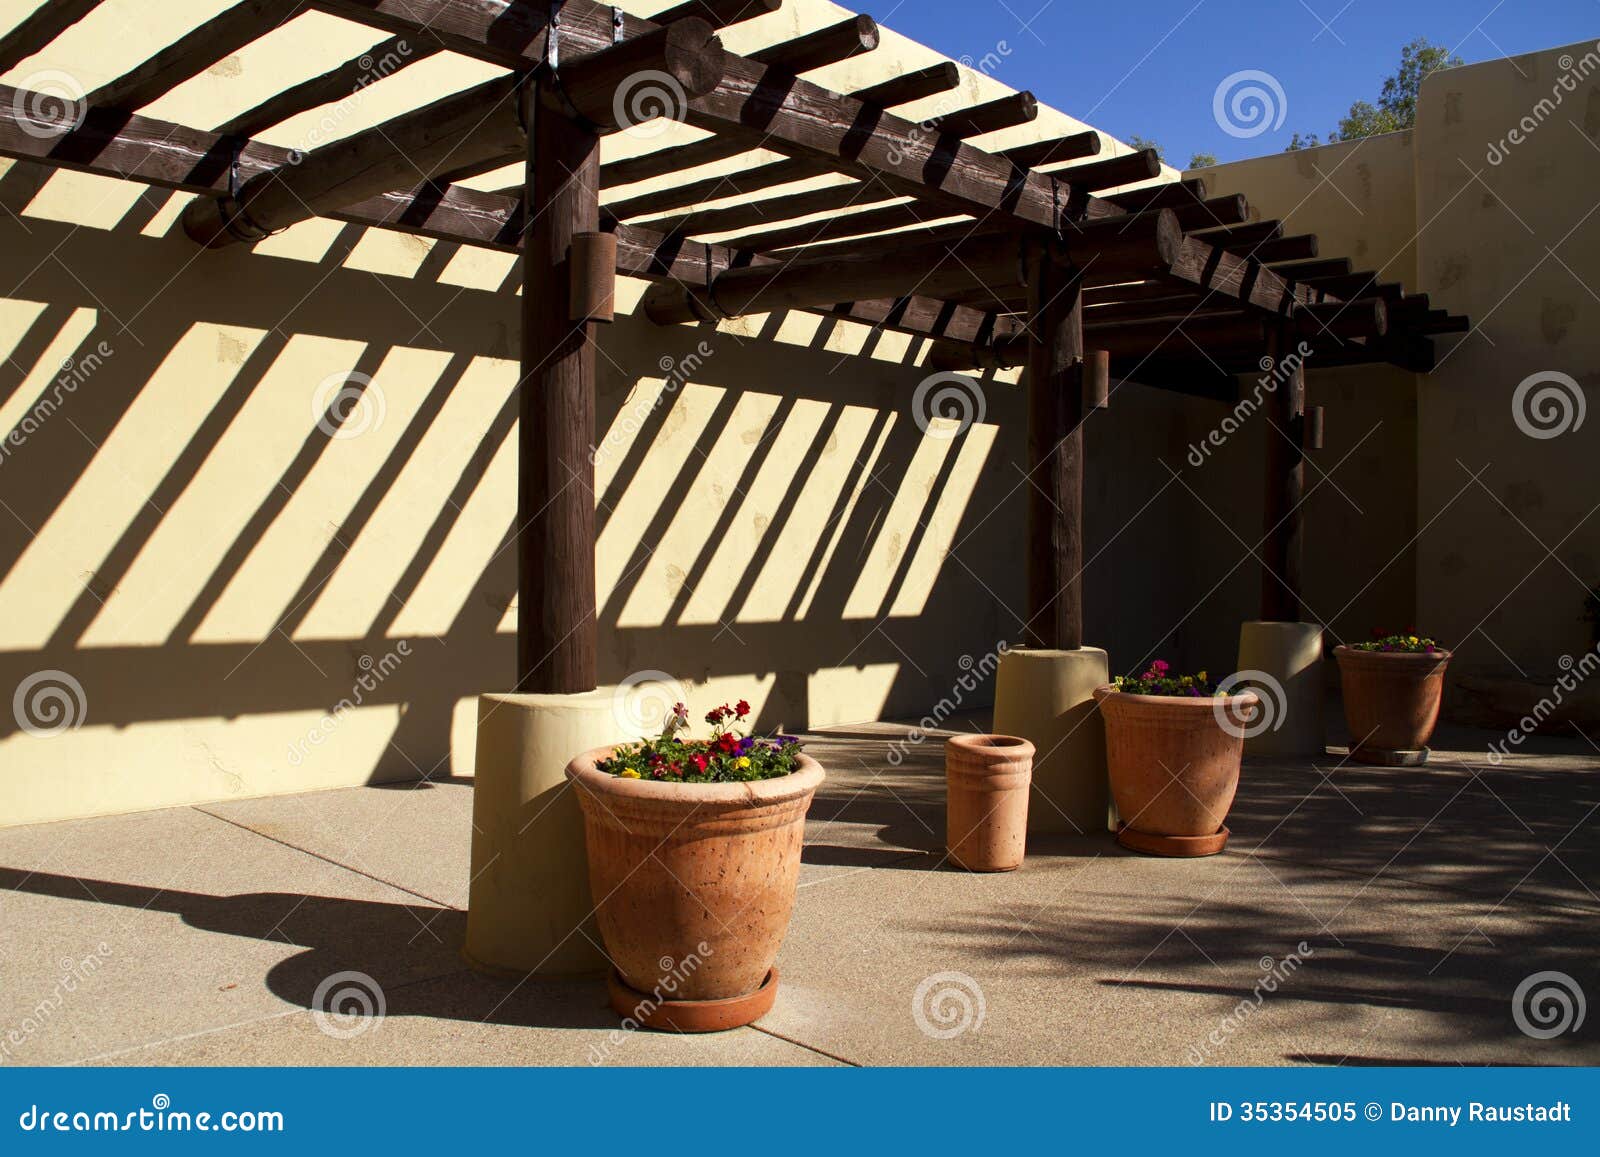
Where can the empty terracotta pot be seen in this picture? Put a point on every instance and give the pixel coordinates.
(1391, 702)
(1174, 767)
(986, 800)
(693, 883)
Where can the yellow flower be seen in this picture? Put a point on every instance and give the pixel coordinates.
(1201, 676)
(742, 762)
(629, 773)
(1413, 640)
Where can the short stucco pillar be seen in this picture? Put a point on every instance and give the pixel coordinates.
(1047, 698)
(530, 909)
(1290, 656)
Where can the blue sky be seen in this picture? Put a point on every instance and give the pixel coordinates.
(1151, 67)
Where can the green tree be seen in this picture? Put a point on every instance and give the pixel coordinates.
(1141, 143)
(1203, 161)
(1397, 102)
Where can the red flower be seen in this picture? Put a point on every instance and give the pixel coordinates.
(742, 709)
(699, 762)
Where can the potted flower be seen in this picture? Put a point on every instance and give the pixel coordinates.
(1173, 746)
(1392, 689)
(694, 854)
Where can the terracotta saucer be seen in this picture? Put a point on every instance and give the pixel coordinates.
(692, 1015)
(1184, 846)
(1379, 757)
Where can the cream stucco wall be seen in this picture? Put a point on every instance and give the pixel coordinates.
(240, 592)
(1359, 198)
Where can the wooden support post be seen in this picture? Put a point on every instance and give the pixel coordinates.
(1284, 518)
(556, 634)
(1056, 384)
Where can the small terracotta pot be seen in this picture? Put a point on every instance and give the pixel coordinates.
(1391, 702)
(986, 801)
(694, 883)
(1174, 767)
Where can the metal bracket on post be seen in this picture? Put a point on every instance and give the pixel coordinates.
(617, 18)
(552, 38)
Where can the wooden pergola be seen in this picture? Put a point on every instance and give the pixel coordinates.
(1011, 258)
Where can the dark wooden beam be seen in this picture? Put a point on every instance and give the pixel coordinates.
(217, 38)
(1128, 169)
(379, 61)
(1306, 271)
(1055, 151)
(847, 225)
(1172, 195)
(899, 90)
(557, 639)
(482, 125)
(483, 121)
(37, 29)
(909, 86)
(1017, 108)
(740, 184)
(841, 41)
(1055, 396)
(892, 267)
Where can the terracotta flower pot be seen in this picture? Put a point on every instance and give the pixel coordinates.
(1391, 702)
(986, 800)
(694, 884)
(1174, 767)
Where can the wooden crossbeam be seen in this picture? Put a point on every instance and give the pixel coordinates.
(904, 89)
(459, 133)
(846, 225)
(381, 60)
(1055, 151)
(1128, 169)
(841, 41)
(1016, 108)
(219, 37)
(46, 22)
(890, 267)
(739, 184)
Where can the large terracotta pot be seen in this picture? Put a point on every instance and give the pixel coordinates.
(1391, 702)
(694, 883)
(986, 800)
(1174, 767)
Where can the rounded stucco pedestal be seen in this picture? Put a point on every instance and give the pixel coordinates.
(1291, 655)
(1047, 698)
(530, 909)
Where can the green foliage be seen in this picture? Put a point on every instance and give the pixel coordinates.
(727, 757)
(1142, 143)
(1409, 643)
(1397, 103)
(1158, 681)
(1203, 161)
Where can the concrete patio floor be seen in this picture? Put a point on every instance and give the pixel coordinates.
(1422, 897)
